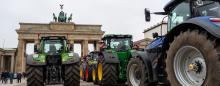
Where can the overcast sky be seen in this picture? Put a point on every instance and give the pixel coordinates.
(115, 16)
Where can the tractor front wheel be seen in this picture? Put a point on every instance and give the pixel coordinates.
(191, 60)
(137, 73)
(72, 75)
(107, 74)
(35, 76)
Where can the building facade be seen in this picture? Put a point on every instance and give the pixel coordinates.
(160, 28)
(7, 59)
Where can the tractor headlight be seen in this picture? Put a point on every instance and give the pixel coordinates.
(70, 54)
(43, 60)
(35, 56)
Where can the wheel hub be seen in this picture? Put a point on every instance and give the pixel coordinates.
(195, 67)
(137, 74)
(189, 66)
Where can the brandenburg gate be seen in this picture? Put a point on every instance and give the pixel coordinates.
(61, 26)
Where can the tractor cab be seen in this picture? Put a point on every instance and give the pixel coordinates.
(118, 42)
(179, 11)
(53, 45)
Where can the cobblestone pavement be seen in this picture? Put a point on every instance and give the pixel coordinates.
(23, 83)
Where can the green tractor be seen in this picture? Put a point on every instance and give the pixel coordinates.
(113, 59)
(53, 63)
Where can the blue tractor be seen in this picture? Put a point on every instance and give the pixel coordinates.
(188, 55)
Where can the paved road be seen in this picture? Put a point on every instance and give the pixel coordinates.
(23, 83)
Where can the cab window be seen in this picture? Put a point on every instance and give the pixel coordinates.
(179, 14)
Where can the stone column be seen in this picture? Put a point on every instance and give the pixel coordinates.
(12, 63)
(85, 47)
(2, 63)
(81, 49)
(72, 44)
(24, 59)
(97, 46)
(20, 56)
(36, 41)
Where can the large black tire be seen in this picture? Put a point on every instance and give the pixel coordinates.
(35, 75)
(200, 42)
(89, 72)
(109, 74)
(141, 70)
(72, 75)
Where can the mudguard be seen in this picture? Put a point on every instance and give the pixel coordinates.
(201, 22)
(110, 57)
(30, 61)
(74, 59)
(147, 61)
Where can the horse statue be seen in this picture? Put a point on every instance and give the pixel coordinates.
(65, 17)
(54, 17)
(62, 17)
(70, 18)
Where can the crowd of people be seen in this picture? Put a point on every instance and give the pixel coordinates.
(5, 76)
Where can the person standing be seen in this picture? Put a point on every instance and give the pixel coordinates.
(19, 75)
(2, 77)
(11, 76)
(6, 77)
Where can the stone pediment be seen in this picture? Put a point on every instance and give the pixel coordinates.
(61, 26)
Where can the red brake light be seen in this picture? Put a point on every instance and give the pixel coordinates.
(214, 19)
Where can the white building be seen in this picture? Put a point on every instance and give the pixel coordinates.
(156, 28)
(148, 34)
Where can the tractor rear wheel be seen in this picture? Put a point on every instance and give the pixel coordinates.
(137, 73)
(191, 60)
(107, 74)
(35, 76)
(72, 75)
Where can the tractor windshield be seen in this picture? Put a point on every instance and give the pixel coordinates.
(53, 46)
(120, 44)
(208, 8)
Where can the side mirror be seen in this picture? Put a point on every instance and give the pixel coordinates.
(155, 35)
(147, 15)
(35, 48)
